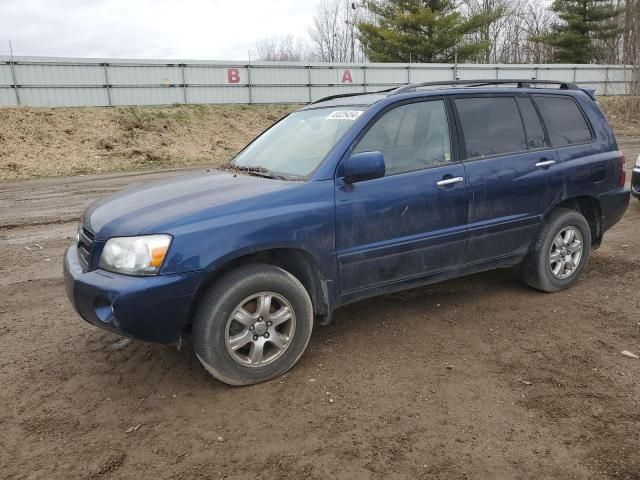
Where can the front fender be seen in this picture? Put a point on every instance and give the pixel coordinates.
(302, 218)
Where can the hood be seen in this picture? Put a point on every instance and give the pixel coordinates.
(147, 208)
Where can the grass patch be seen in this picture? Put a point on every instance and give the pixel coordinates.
(623, 113)
(132, 119)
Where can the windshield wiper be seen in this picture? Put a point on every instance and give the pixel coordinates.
(256, 171)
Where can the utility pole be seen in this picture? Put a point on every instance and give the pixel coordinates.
(353, 26)
(13, 74)
(249, 76)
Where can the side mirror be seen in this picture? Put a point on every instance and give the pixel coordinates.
(363, 166)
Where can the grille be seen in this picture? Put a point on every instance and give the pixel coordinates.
(85, 242)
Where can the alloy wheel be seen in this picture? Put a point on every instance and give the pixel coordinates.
(260, 329)
(565, 252)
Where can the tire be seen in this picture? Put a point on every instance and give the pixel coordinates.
(538, 271)
(224, 320)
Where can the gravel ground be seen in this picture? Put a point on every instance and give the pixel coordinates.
(477, 378)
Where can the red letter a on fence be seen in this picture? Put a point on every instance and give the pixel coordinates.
(346, 77)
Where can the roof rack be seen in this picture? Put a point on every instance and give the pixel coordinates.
(485, 83)
(353, 94)
(520, 83)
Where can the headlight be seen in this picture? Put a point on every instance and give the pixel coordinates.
(135, 255)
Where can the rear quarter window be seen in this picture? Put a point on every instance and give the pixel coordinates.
(565, 122)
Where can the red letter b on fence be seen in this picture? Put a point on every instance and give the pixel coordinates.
(233, 75)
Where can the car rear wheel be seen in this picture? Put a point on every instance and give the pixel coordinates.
(559, 253)
(252, 325)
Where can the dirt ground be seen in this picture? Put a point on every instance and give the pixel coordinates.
(476, 378)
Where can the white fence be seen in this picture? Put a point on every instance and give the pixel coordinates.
(56, 82)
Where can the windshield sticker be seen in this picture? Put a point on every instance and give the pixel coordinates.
(344, 115)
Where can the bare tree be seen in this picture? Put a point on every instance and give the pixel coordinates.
(532, 20)
(510, 35)
(631, 56)
(285, 48)
(333, 32)
(631, 35)
(490, 32)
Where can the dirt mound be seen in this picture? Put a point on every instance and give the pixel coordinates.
(37, 142)
(46, 142)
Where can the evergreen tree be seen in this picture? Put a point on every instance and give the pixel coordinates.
(583, 27)
(422, 31)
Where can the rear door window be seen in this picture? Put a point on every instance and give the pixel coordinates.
(532, 125)
(565, 122)
(491, 126)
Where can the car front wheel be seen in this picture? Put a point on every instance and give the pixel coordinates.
(252, 325)
(559, 253)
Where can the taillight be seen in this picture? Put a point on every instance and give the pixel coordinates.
(623, 171)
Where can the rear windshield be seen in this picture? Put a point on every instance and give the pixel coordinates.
(296, 145)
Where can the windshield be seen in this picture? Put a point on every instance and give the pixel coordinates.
(296, 145)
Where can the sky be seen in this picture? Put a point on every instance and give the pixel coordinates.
(178, 29)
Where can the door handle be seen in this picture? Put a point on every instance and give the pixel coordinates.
(450, 181)
(545, 163)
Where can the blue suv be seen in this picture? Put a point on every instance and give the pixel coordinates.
(350, 197)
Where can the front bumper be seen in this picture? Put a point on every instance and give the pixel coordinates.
(635, 182)
(153, 309)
